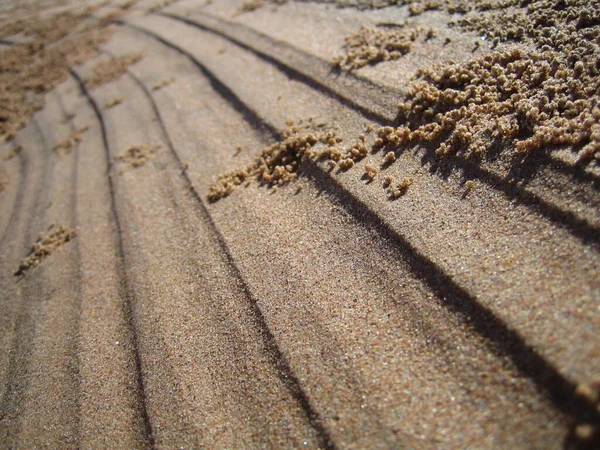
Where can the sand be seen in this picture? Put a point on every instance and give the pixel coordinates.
(219, 229)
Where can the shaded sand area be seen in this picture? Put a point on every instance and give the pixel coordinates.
(252, 224)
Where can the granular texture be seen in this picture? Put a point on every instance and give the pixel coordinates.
(525, 101)
(417, 7)
(372, 45)
(45, 245)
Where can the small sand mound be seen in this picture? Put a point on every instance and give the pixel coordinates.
(588, 434)
(107, 71)
(70, 143)
(137, 155)
(279, 163)
(45, 245)
(373, 45)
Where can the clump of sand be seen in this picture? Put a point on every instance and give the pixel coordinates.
(278, 163)
(137, 155)
(249, 6)
(524, 101)
(68, 144)
(107, 71)
(45, 245)
(160, 6)
(163, 83)
(113, 102)
(13, 152)
(373, 45)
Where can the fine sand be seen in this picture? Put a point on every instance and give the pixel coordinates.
(253, 224)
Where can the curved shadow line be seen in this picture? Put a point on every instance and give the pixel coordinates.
(124, 283)
(577, 226)
(249, 114)
(24, 327)
(278, 359)
(503, 340)
(294, 73)
(567, 219)
(308, 79)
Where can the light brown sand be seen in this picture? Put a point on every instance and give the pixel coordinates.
(394, 301)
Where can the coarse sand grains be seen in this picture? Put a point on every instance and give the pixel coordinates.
(373, 45)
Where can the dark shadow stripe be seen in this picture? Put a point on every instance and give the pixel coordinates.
(567, 219)
(276, 356)
(344, 98)
(249, 114)
(504, 341)
(332, 91)
(124, 283)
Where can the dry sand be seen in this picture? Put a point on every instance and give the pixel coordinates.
(248, 224)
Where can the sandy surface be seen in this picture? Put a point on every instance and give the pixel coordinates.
(423, 299)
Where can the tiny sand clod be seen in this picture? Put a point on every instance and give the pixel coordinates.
(45, 245)
(107, 71)
(70, 143)
(114, 102)
(160, 6)
(373, 45)
(137, 155)
(162, 84)
(400, 189)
